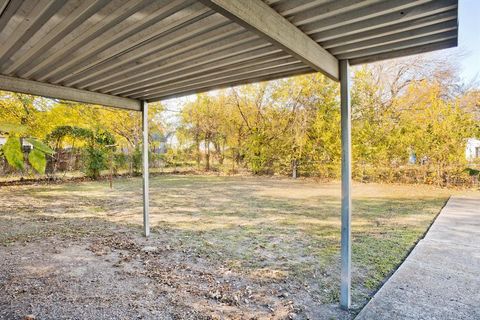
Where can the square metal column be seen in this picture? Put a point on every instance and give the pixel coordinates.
(346, 246)
(146, 217)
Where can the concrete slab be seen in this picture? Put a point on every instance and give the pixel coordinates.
(440, 279)
(463, 258)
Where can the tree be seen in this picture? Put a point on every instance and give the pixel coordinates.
(99, 146)
(13, 150)
(437, 128)
(289, 126)
(202, 120)
(312, 134)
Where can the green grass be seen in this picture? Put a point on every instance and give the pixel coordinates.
(265, 228)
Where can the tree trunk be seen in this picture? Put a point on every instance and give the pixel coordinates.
(198, 159)
(294, 169)
(207, 156)
(239, 144)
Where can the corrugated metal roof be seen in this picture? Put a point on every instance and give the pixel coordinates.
(154, 49)
(369, 30)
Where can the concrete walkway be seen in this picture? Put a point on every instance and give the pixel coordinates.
(440, 279)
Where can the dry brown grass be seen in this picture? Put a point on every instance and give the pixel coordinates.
(267, 230)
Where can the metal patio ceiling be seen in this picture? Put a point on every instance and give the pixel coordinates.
(156, 49)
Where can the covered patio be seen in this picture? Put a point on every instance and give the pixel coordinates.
(126, 54)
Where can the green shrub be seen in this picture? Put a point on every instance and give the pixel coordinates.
(137, 161)
(95, 162)
(120, 161)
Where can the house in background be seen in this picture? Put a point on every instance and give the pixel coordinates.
(26, 146)
(472, 151)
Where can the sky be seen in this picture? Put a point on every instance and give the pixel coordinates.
(469, 39)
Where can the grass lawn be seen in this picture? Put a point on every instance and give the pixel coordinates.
(221, 247)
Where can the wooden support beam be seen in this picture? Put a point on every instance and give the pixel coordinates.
(259, 17)
(60, 92)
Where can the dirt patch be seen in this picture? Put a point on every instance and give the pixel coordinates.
(127, 277)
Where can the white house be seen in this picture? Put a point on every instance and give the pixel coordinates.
(472, 151)
(25, 144)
